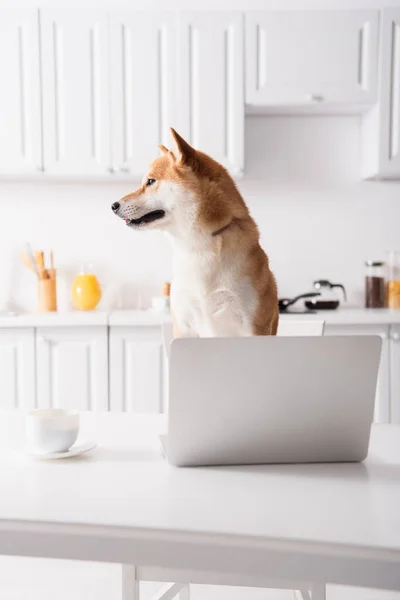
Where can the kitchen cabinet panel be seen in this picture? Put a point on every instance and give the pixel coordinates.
(381, 126)
(382, 399)
(296, 58)
(20, 109)
(389, 142)
(143, 103)
(75, 84)
(17, 368)
(395, 374)
(136, 370)
(72, 368)
(211, 102)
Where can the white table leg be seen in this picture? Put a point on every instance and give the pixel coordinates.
(317, 592)
(130, 584)
(170, 591)
(184, 594)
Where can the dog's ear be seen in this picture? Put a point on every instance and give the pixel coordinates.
(170, 154)
(186, 155)
(163, 149)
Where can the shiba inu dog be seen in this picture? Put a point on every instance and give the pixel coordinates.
(222, 285)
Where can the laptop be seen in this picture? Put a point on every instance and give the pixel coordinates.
(264, 400)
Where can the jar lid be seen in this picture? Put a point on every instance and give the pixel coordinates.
(374, 263)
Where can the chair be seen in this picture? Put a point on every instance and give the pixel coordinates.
(301, 327)
(168, 336)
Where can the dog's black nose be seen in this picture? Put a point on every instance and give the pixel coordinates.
(115, 206)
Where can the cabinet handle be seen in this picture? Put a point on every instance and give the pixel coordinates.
(383, 335)
(395, 336)
(40, 168)
(112, 170)
(314, 98)
(125, 170)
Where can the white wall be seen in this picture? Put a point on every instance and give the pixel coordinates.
(316, 218)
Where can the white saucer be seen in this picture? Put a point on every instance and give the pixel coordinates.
(75, 450)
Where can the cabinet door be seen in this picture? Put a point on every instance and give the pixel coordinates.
(390, 95)
(136, 370)
(72, 368)
(20, 115)
(75, 70)
(300, 57)
(211, 103)
(17, 368)
(382, 399)
(143, 53)
(395, 374)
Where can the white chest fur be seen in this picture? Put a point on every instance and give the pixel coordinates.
(210, 296)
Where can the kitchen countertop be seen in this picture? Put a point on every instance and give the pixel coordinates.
(134, 318)
(55, 319)
(138, 317)
(351, 316)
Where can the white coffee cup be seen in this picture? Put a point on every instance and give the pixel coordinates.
(51, 429)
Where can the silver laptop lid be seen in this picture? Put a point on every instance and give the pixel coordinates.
(271, 399)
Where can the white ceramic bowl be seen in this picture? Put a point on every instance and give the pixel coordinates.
(52, 429)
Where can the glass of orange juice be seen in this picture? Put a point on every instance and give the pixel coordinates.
(393, 280)
(86, 290)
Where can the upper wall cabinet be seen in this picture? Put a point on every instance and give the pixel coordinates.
(75, 88)
(20, 115)
(143, 87)
(390, 95)
(380, 143)
(210, 67)
(298, 58)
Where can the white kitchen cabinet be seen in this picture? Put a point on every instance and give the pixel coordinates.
(395, 374)
(382, 399)
(211, 102)
(380, 141)
(72, 367)
(143, 103)
(17, 368)
(20, 114)
(296, 58)
(75, 87)
(136, 370)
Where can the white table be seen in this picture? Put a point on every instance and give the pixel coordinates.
(274, 526)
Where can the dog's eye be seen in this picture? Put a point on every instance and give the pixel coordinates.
(150, 182)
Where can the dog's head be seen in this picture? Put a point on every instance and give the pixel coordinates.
(181, 189)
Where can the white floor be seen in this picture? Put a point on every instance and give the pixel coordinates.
(38, 579)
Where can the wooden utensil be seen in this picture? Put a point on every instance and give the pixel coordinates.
(28, 262)
(52, 271)
(39, 258)
(32, 259)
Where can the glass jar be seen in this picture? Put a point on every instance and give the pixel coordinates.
(374, 284)
(393, 279)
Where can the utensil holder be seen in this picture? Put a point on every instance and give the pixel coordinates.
(47, 295)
